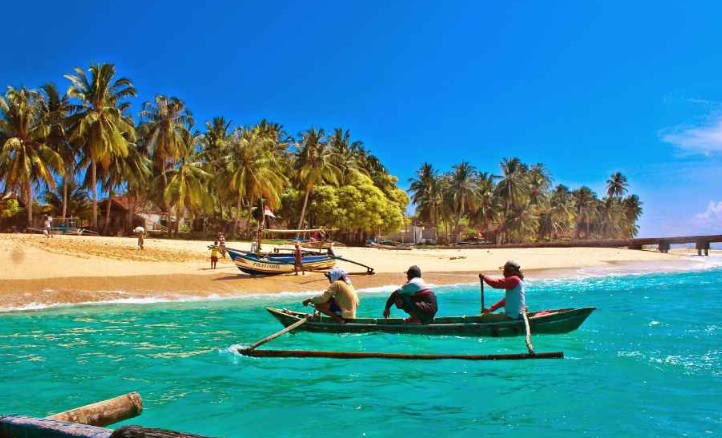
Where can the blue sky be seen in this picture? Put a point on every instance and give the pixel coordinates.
(586, 87)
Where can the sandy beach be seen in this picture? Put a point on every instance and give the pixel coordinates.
(38, 271)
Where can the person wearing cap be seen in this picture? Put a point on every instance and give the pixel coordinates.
(340, 300)
(514, 300)
(415, 298)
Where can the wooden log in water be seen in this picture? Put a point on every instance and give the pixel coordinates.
(19, 426)
(371, 355)
(147, 432)
(104, 412)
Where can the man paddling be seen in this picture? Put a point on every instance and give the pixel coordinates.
(415, 298)
(339, 301)
(514, 300)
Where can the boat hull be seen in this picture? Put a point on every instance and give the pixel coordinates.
(556, 321)
(275, 264)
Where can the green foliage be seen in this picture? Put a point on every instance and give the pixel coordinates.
(12, 208)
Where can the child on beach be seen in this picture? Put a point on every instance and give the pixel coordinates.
(214, 255)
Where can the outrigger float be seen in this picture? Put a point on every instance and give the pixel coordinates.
(556, 321)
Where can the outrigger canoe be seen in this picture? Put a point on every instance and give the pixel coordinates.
(277, 263)
(555, 321)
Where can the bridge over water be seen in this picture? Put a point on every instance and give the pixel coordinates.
(701, 243)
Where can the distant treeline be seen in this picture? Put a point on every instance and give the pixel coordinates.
(72, 147)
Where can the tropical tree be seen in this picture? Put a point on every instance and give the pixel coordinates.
(252, 169)
(426, 194)
(632, 207)
(165, 126)
(25, 157)
(463, 191)
(97, 120)
(314, 165)
(585, 201)
(185, 184)
(616, 185)
(345, 154)
(56, 107)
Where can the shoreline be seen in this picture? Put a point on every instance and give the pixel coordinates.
(67, 270)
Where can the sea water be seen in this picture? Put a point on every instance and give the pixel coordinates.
(647, 363)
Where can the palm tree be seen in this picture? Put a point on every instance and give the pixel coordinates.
(56, 108)
(314, 165)
(73, 198)
(632, 208)
(97, 121)
(345, 153)
(25, 157)
(252, 169)
(165, 125)
(616, 185)
(185, 184)
(488, 210)
(585, 201)
(463, 191)
(512, 186)
(561, 212)
(425, 193)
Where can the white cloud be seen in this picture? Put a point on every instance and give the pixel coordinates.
(706, 140)
(710, 219)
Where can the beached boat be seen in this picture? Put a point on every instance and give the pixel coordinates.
(387, 244)
(555, 321)
(277, 263)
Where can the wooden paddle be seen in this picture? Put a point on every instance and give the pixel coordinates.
(481, 284)
(277, 334)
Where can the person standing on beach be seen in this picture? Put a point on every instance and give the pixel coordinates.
(340, 300)
(329, 251)
(514, 301)
(140, 232)
(415, 298)
(214, 255)
(222, 244)
(47, 227)
(298, 260)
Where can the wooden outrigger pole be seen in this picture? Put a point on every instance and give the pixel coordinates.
(378, 355)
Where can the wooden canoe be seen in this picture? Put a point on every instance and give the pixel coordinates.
(277, 263)
(555, 321)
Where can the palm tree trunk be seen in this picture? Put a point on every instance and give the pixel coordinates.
(303, 209)
(29, 202)
(65, 195)
(94, 187)
(107, 213)
(238, 215)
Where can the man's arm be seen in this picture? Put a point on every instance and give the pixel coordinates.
(503, 282)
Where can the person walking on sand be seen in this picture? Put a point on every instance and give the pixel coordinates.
(415, 298)
(340, 300)
(298, 260)
(140, 232)
(514, 301)
(214, 255)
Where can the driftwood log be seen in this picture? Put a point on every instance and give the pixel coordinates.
(144, 432)
(104, 412)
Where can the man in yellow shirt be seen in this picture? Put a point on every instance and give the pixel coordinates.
(339, 301)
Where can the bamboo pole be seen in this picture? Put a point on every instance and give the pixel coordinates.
(528, 332)
(277, 334)
(104, 412)
(371, 355)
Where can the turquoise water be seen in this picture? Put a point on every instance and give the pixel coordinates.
(647, 363)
